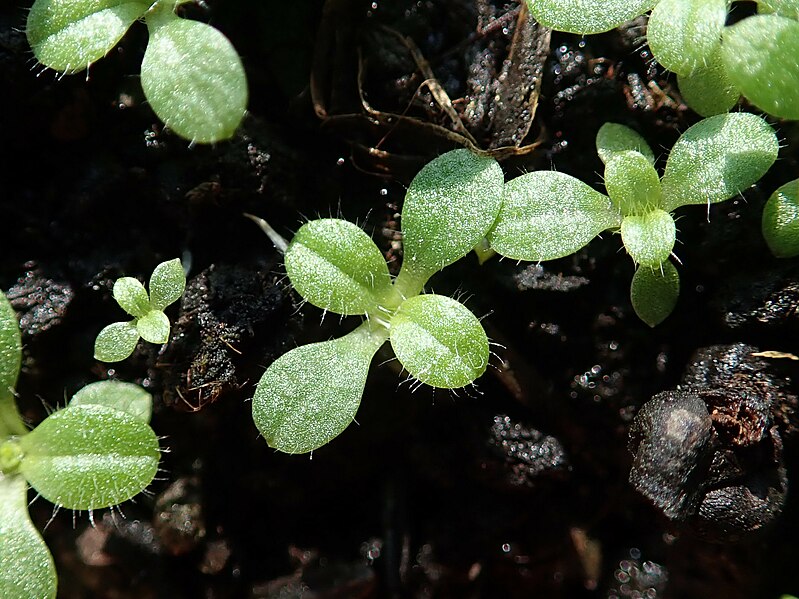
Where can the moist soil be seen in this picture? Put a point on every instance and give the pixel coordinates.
(517, 487)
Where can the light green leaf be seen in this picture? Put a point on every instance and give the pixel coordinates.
(654, 292)
(709, 90)
(69, 35)
(154, 327)
(125, 397)
(167, 284)
(683, 33)
(116, 341)
(90, 456)
(649, 238)
(131, 296)
(449, 207)
(613, 137)
(10, 361)
(334, 265)
(193, 78)
(632, 183)
(760, 55)
(786, 8)
(547, 215)
(717, 159)
(26, 566)
(308, 396)
(587, 16)
(781, 221)
(439, 341)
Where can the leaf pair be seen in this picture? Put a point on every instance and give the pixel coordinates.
(191, 75)
(547, 215)
(715, 64)
(118, 340)
(97, 452)
(311, 394)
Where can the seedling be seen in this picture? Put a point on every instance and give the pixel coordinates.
(781, 221)
(118, 340)
(547, 214)
(97, 452)
(191, 75)
(587, 16)
(311, 394)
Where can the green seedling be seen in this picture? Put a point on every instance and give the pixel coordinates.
(191, 75)
(715, 64)
(118, 340)
(587, 16)
(97, 452)
(547, 215)
(311, 394)
(781, 221)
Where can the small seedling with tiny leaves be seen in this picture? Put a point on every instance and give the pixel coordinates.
(547, 214)
(311, 394)
(97, 452)
(191, 75)
(118, 340)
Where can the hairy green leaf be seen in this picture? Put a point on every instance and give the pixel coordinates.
(193, 78)
(116, 341)
(760, 55)
(131, 296)
(654, 292)
(587, 16)
(89, 457)
(709, 90)
(632, 183)
(439, 341)
(613, 137)
(547, 215)
(167, 284)
(154, 327)
(69, 35)
(781, 221)
(683, 33)
(449, 207)
(10, 361)
(649, 238)
(718, 158)
(334, 265)
(125, 397)
(26, 566)
(309, 395)
(786, 8)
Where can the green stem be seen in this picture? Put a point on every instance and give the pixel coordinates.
(409, 283)
(160, 14)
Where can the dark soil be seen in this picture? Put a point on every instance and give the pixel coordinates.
(516, 489)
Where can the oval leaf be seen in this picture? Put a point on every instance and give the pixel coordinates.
(613, 137)
(649, 238)
(308, 396)
(89, 457)
(116, 342)
(449, 207)
(10, 361)
(125, 397)
(654, 292)
(167, 284)
(547, 215)
(154, 327)
(709, 89)
(632, 183)
(336, 266)
(439, 341)
(26, 566)
(718, 158)
(193, 79)
(760, 55)
(683, 33)
(131, 296)
(69, 35)
(781, 221)
(587, 16)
